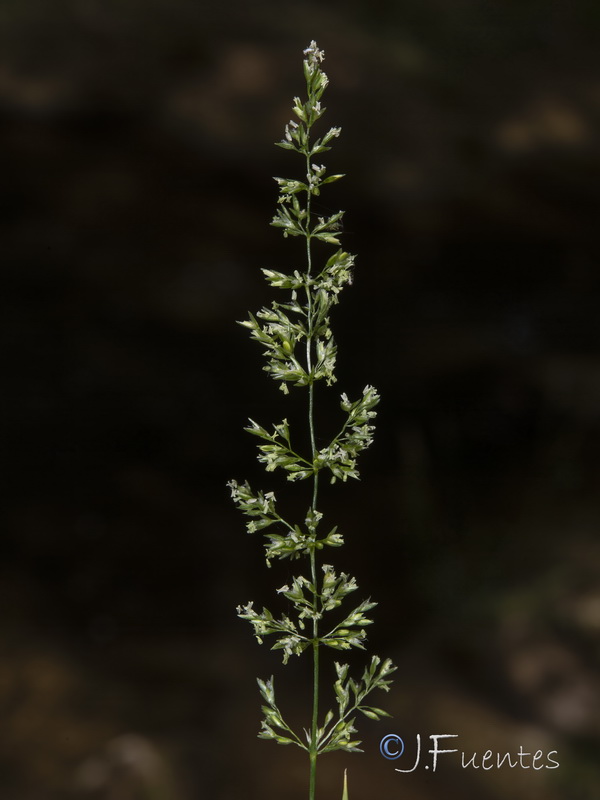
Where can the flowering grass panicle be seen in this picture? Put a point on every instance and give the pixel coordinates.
(300, 351)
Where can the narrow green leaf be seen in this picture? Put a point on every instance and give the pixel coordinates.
(345, 792)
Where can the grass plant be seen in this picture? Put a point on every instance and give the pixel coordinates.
(300, 353)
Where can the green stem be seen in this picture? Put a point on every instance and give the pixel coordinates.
(313, 743)
(313, 751)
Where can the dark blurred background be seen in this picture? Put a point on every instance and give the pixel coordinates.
(136, 159)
